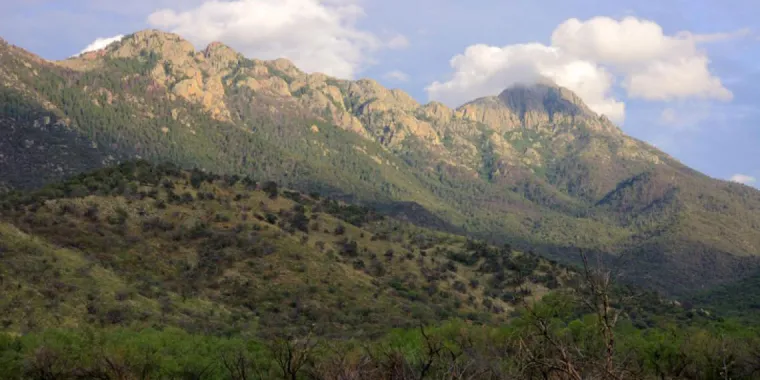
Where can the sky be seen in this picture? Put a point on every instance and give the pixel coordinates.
(681, 75)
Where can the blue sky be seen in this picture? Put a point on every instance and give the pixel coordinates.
(710, 120)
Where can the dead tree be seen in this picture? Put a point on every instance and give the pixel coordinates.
(292, 355)
(598, 299)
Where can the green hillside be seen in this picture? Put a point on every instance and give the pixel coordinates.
(150, 271)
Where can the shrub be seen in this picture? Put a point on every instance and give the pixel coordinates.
(270, 187)
(349, 248)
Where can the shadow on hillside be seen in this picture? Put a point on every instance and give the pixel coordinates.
(682, 273)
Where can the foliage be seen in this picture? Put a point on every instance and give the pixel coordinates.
(542, 343)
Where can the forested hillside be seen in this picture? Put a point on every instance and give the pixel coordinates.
(143, 244)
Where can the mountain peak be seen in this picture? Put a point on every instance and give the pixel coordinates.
(534, 105)
(545, 97)
(287, 66)
(169, 45)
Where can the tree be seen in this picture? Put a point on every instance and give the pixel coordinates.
(292, 355)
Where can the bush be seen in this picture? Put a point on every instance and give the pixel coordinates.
(300, 222)
(92, 213)
(349, 248)
(270, 187)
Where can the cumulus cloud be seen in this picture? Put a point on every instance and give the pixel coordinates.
(606, 40)
(396, 75)
(101, 43)
(682, 78)
(655, 66)
(592, 57)
(743, 178)
(317, 35)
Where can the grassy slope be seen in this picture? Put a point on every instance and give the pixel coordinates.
(141, 246)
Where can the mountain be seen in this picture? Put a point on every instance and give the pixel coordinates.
(533, 166)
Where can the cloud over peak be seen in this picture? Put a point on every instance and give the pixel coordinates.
(591, 57)
(486, 70)
(101, 43)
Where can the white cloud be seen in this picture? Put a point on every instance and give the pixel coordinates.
(396, 75)
(655, 66)
(399, 41)
(101, 43)
(590, 58)
(606, 40)
(317, 35)
(743, 178)
(682, 78)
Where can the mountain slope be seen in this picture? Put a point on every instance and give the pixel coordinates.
(532, 166)
(152, 245)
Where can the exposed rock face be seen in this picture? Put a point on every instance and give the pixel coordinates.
(388, 114)
(169, 45)
(221, 57)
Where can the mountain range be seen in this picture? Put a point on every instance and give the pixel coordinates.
(533, 166)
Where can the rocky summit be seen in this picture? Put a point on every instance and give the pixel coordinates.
(533, 166)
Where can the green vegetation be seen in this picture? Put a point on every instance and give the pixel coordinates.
(740, 299)
(547, 339)
(488, 157)
(522, 350)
